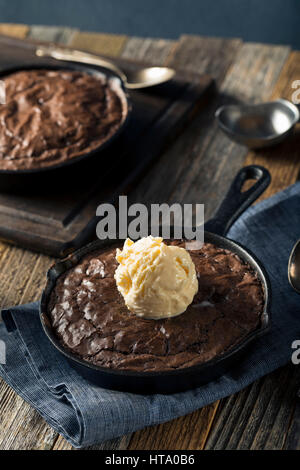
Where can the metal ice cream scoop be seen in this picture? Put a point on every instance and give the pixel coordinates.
(259, 125)
(294, 267)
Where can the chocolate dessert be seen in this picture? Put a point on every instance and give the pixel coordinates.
(90, 319)
(51, 116)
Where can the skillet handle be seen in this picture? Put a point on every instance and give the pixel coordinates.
(236, 202)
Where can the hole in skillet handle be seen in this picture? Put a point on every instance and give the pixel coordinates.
(237, 200)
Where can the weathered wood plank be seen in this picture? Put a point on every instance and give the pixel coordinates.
(185, 433)
(148, 50)
(108, 44)
(293, 436)
(279, 413)
(113, 444)
(14, 30)
(205, 55)
(258, 417)
(56, 34)
(16, 276)
(207, 178)
(4, 256)
(282, 160)
(190, 54)
(22, 428)
(210, 158)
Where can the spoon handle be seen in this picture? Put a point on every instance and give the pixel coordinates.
(71, 55)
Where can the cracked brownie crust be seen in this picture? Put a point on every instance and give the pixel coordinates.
(52, 116)
(90, 319)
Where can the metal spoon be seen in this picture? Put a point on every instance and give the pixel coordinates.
(294, 267)
(142, 78)
(259, 125)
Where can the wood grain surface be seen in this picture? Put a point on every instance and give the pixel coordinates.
(108, 44)
(197, 167)
(14, 30)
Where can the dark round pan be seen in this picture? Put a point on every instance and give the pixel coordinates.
(233, 205)
(74, 169)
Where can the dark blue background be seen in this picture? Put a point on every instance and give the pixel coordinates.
(274, 21)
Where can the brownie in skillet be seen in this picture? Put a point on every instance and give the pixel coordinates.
(51, 116)
(90, 319)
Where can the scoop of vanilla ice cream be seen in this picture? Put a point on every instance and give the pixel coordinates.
(156, 280)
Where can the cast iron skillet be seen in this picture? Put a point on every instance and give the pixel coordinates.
(29, 180)
(234, 204)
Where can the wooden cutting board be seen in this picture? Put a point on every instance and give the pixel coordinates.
(59, 221)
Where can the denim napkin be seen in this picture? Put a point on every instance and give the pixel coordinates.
(86, 414)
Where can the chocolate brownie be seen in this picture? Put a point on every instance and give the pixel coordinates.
(90, 319)
(52, 116)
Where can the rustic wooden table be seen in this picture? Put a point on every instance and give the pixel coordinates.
(198, 167)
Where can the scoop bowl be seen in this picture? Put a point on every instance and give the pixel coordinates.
(260, 125)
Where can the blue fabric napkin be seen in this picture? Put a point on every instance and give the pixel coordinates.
(86, 414)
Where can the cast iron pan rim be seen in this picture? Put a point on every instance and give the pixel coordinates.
(90, 70)
(62, 266)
